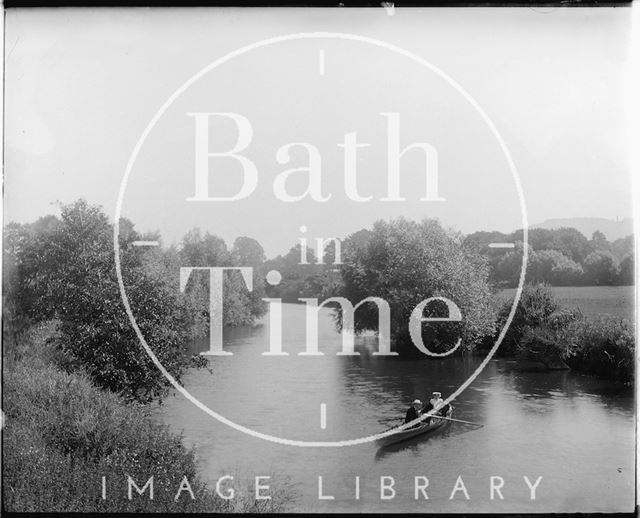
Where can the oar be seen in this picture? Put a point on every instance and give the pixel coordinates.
(457, 420)
(437, 417)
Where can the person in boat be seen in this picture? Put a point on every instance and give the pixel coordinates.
(436, 402)
(414, 412)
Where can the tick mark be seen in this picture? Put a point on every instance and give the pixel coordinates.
(321, 62)
(323, 415)
(502, 245)
(145, 243)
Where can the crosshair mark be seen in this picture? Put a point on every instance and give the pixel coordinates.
(321, 62)
(323, 416)
(145, 243)
(502, 245)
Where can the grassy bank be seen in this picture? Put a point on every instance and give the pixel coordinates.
(63, 434)
(592, 301)
(548, 331)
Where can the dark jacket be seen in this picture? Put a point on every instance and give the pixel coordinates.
(411, 414)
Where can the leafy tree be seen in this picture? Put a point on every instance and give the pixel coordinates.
(247, 251)
(601, 268)
(298, 280)
(599, 241)
(534, 310)
(405, 262)
(203, 250)
(68, 269)
(627, 270)
(567, 240)
(571, 243)
(509, 265)
(555, 268)
(623, 246)
(240, 307)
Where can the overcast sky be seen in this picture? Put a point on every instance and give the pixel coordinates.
(82, 85)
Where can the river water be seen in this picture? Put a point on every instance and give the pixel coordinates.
(575, 432)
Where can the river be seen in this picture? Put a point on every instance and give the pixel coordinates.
(575, 432)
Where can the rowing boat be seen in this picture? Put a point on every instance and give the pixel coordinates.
(429, 425)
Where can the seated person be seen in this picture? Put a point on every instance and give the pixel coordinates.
(437, 402)
(414, 411)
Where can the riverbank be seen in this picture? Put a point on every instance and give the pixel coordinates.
(555, 328)
(72, 447)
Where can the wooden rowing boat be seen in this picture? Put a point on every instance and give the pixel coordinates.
(428, 426)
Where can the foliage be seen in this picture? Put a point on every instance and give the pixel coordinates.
(240, 307)
(63, 434)
(627, 270)
(405, 262)
(601, 268)
(560, 257)
(542, 330)
(603, 346)
(535, 307)
(64, 269)
(568, 241)
(68, 274)
(553, 267)
(541, 343)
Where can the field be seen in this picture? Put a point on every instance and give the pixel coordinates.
(594, 300)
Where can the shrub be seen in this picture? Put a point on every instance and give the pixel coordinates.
(535, 307)
(63, 434)
(603, 346)
(405, 262)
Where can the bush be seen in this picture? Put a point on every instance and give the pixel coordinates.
(405, 262)
(534, 309)
(603, 346)
(63, 434)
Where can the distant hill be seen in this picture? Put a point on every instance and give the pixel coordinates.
(587, 226)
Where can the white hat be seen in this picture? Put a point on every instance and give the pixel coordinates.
(437, 394)
(416, 402)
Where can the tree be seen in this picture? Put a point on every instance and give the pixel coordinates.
(405, 262)
(535, 307)
(627, 270)
(67, 269)
(599, 242)
(567, 240)
(623, 246)
(508, 266)
(555, 268)
(207, 250)
(247, 251)
(240, 307)
(299, 280)
(601, 268)
(571, 243)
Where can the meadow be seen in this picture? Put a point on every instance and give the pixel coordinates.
(618, 301)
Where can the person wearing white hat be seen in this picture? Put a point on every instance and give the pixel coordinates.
(415, 410)
(436, 402)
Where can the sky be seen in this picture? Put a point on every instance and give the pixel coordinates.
(82, 85)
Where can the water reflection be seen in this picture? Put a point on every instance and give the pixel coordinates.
(577, 432)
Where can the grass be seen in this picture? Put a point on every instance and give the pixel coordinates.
(592, 301)
(63, 434)
(547, 328)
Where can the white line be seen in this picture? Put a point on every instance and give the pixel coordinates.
(145, 243)
(502, 245)
(323, 415)
(321, 63)
(165, 107)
